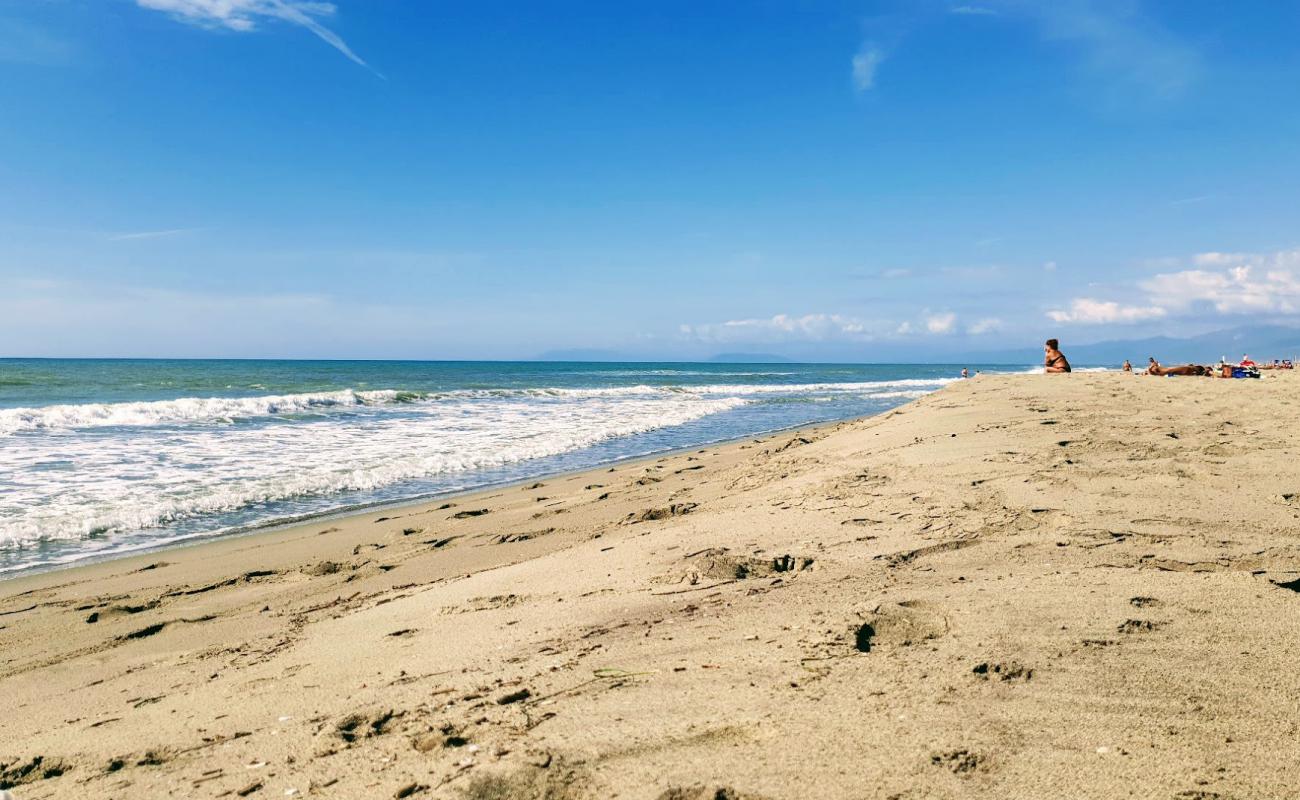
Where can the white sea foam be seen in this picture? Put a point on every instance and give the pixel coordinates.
(133, 482)
(187, 410)
(183, 410)
(71, 471)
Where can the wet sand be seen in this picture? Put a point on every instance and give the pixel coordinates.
(1020, 586)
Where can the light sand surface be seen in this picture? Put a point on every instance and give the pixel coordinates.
(1020, 586)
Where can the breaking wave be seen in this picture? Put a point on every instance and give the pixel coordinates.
(224, 410)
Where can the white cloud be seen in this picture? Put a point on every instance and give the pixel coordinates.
(1086, 311)
(1049, 266)
(1246, 283)
(1225, 259)
(905, 329)
(245, 15)
(865, 63)
(941, 323)
(897, 272)
(780, 328)
(986, 325)
(973, 11)
(1222, 282)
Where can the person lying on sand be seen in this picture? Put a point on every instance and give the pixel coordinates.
(1154, 368)
(1053, 359)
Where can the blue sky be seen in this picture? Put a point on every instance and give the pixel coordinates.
(480, 179)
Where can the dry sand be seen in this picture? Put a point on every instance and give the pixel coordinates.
(1020, 586)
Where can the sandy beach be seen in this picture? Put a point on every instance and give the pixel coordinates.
(1019, 586)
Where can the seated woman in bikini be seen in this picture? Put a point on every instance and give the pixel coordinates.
(1053, 359)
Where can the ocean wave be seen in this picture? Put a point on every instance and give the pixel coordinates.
(187, 409)
(312, 460)
(198, 410)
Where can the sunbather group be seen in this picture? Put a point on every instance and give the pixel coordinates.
(1245, 369)
(1054, 361)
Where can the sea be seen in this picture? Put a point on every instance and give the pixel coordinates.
(105, 457)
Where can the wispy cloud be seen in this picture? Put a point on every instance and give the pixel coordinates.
(889, 274)
(24, 43)
(865, 63)
(74, 317)
(941, 323)
(1217, 259)
(973, 272)
(1118, 41)
(1124, 48)
(246, 15)
(983, 326)
(934, 323)
(1087, 311)
(123, 237)
(781, 328)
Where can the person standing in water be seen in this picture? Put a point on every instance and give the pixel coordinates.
(965, 373)
(1054, 360)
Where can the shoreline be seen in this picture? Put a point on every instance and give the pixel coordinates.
(357, 459)
(1019, 585)
(201, 539)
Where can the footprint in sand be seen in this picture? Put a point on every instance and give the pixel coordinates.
(655, 514)
(959, 762)
(121, 611)
(1007, 671)
(1138, 626)
(322, 569)
(701, 792)
(899, 624)
(717, 563)
(38, 768)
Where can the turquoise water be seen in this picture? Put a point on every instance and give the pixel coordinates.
(100, 457)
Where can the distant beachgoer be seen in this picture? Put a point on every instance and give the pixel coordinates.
(1127, 366)
(1246, 362)
(965, 373)
(1054, 360)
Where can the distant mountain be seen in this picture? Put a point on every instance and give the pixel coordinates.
(749, 358)
(1261, 342)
